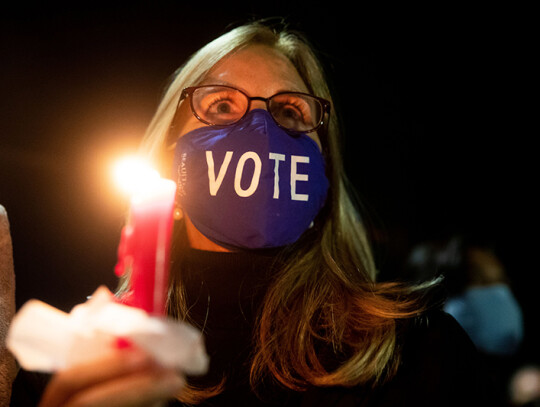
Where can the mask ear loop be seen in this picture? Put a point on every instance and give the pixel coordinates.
(178, 213)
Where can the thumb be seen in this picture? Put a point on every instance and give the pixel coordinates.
(8, 368)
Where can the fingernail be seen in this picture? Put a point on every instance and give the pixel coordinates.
(123, 343)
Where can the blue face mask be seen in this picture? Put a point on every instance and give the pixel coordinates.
(491, 316)
(250, 185)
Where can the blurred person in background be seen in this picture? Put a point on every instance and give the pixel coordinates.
(478, 295)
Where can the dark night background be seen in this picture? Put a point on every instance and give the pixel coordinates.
(435, 103)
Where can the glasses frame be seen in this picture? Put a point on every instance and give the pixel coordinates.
(325, 104)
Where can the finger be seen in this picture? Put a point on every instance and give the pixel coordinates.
(139, 389)
(115, 364)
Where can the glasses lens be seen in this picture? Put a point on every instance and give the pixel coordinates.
(296, 111)
(219, 105)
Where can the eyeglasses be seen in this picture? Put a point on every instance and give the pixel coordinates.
(219, 105)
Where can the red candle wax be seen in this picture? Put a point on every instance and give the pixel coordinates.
(144, 249)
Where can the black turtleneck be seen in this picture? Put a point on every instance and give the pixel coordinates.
(224, 292)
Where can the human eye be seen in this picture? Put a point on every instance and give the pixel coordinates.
(221, 106)
(292, 111)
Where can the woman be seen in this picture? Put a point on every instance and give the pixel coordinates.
(271, 258)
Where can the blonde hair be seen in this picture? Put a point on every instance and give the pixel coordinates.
(327, 294)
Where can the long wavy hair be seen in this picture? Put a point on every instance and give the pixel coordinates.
(326, 296)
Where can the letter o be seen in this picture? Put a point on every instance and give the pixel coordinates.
(256, 174)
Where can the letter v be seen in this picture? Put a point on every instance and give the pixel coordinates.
(214, 183)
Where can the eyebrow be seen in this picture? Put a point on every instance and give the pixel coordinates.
(213, 81)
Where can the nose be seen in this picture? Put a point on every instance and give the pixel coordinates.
(258, 103)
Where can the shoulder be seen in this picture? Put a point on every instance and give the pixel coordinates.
(439, 365)
(436, 332)
(434, 340)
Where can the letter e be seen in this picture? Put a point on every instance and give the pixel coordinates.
(295, 159)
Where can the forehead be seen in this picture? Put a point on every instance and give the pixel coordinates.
(257, 69)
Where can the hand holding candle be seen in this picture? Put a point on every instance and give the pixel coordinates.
(144, 249)
(46, 339)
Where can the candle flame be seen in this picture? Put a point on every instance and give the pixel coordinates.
(133, 174)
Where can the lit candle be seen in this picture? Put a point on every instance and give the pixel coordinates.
(144, 249)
